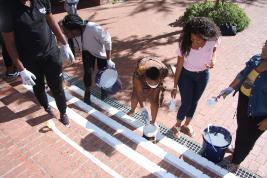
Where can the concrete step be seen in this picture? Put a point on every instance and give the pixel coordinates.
(95, 144)
(170, 145)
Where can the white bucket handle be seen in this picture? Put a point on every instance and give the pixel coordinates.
(210, 138)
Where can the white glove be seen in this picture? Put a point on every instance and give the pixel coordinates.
(172, 106)
(226, 92)
(27, 77)
(144, 114)
(111, 64)
(66, 53)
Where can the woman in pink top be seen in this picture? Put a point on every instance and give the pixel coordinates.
(196, 55)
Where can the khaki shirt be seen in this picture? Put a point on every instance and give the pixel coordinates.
(147, 63)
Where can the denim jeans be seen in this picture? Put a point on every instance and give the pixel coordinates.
(191, 86)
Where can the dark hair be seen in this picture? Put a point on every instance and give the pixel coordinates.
(152, 73)
(201, 26)
(73, 22)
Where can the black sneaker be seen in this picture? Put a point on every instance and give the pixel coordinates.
(65, 120)
(87, 98)
(49, 111)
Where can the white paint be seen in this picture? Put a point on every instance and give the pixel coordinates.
(103, 166)
(216, 139)
(162, 139)
(118, 145)
(115, 143)
(91, 157)
(107, 78)
(157, 151)
(73, 100)
(150, 130)
(212, 101)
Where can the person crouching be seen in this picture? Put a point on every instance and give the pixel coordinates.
(147, 83)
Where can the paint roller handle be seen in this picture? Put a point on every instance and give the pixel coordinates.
(210, 138)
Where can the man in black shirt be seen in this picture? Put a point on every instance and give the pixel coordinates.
(27, 27)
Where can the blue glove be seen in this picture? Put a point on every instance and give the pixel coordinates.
(144, 114)
(226, 92)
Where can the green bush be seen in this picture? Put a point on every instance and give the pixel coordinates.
(115, 1)
(222, 13)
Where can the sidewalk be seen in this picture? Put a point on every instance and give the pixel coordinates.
(96, 145)
(140, 28)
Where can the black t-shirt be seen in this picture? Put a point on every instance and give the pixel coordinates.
(1, 14)
(32, 34)
(1, 19)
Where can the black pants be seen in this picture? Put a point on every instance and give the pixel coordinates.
(247, 131)
(48, 67)
(6, 57)
(71, 43)
(88, 66)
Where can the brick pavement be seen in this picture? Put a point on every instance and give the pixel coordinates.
(29, 149)
(140, 28)
(134, 36)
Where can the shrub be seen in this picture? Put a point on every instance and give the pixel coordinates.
(222, 13)
(116, 1)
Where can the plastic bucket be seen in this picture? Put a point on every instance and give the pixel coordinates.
(107, 79)
(216, 139)
(150, 132)
(115, 87)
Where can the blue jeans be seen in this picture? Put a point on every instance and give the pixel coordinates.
(191, 86)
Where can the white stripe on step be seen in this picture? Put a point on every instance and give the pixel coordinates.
(115, 143)
(82, 150)
(86, 153)
(156, 150)
(118, 145)
(162, 139)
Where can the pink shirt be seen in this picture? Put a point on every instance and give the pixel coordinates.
(198, 58)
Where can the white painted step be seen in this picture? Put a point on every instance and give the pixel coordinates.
(86, 153)
(161, 138)
(156, 150)
(115, 143)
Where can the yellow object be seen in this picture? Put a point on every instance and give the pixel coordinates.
(141, 70)
(248, 83)
(50, 124)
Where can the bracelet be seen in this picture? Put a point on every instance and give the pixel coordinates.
(175, 88)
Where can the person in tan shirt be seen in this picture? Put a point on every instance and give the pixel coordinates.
(147, 83)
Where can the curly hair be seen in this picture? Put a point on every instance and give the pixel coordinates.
(201, 26)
